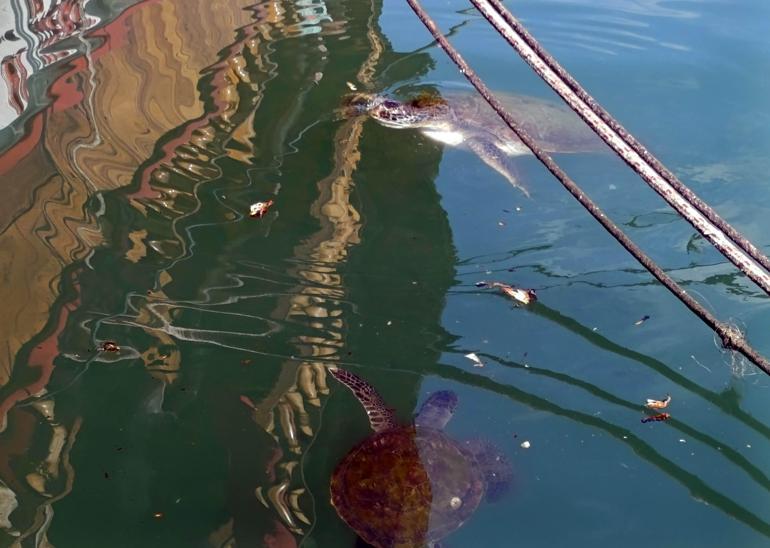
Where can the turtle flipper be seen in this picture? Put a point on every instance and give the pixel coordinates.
(437, 410)
(380, 415)
(494, 465)
(488, 151)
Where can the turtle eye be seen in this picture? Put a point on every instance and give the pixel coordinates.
(390, 104)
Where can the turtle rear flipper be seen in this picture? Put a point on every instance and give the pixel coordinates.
(492, 155)
(494, 466)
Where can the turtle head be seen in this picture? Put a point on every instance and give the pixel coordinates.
(358, 104)
(417, 112)
(437, 410)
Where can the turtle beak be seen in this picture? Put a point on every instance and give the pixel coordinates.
(357, 104)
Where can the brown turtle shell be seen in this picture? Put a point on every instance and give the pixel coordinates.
(406, 487)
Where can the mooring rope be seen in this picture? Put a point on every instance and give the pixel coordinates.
(608, 128)
(730, 336)
(732, 244)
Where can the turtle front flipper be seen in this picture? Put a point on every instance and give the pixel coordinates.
(492, 155)
(380, 415)
(437, 410)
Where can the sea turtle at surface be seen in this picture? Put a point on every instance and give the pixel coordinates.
(463, 118)
(410, 485)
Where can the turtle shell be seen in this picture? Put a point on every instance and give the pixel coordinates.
(406, 486)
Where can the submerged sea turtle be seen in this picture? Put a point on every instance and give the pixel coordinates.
(465, 119)
(410, 485)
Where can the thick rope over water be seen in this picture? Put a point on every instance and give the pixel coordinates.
(733, 245)
(731, 337)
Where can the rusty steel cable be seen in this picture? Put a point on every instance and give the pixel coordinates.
(733, 245)
(730, 336)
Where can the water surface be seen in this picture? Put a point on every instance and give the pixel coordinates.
(135, 135)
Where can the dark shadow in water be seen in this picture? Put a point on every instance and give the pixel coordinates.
(730, 407)
(731, 454)
(696, 486)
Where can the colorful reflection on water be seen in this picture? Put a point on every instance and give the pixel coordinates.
(163, 373)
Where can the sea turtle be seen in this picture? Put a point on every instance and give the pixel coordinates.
(462, 118)
(410, 485)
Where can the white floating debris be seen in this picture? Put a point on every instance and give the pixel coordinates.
(525, 445)
(682, 440)
(475, 359)
(351, 86)
(390, 322)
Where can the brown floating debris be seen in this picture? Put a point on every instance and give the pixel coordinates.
(658, 404)
(245, 400)
(524, 296)
(656, 418)
(258, 210)
(641, 320)
(110, 346)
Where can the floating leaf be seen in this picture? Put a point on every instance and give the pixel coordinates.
(259, 209)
